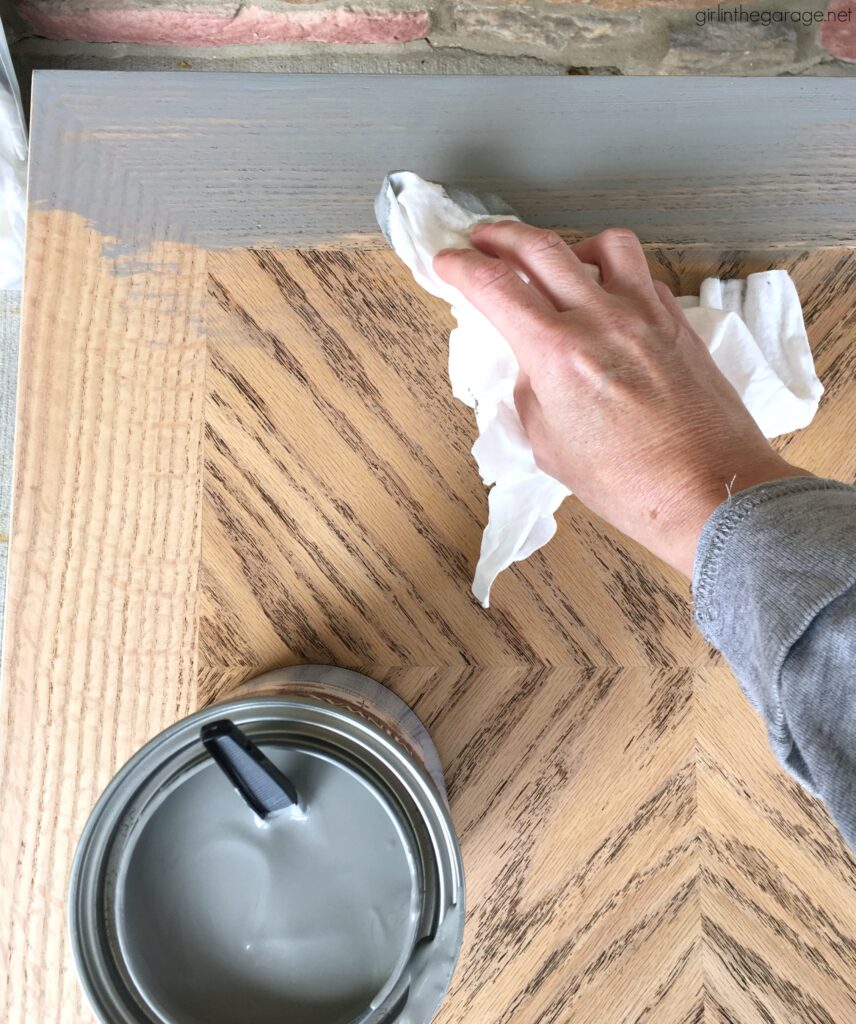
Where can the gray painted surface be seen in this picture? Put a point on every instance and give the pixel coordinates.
(33, 54)
(282, 160)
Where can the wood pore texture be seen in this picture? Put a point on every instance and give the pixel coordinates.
(230, 460)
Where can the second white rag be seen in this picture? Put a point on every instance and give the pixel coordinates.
(753, 328)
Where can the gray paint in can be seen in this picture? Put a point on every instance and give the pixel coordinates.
(188, 909)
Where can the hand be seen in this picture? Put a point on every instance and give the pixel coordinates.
(619, 396)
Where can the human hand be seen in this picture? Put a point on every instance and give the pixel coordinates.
(619, 396)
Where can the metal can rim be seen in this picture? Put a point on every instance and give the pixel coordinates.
(101, 979)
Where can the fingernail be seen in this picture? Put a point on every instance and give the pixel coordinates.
(445, 252)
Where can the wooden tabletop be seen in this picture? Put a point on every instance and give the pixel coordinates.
(241, 455)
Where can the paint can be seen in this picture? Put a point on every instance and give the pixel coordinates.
(347, 907)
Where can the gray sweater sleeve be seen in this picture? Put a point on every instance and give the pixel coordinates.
(775, 590)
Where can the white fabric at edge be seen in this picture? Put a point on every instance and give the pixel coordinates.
(753, 328)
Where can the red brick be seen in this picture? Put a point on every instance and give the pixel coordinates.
(222, 27)
(838, 36)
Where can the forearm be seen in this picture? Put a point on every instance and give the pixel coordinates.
(775, 590)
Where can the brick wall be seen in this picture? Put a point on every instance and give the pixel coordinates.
(766, 37)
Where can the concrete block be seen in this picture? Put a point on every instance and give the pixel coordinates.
(406, 58)
(827, 69)
(730, 48)
(528, 29)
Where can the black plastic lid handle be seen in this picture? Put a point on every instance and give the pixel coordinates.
(257, 779)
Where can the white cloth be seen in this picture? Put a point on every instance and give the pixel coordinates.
(753, 328)
(13, 173)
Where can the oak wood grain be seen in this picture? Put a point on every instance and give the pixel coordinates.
(632, 850)
(100, 626)
(233, 460)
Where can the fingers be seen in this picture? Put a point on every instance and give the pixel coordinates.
(619, 256)
(543, 256)
(521, 314)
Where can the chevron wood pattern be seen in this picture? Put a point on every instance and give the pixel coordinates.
(633, 852)
(273, 433)
(234, 459)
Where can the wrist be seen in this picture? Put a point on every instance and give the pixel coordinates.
(716, 488)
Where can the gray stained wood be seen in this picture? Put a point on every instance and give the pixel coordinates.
(225, 160)
(240, 457)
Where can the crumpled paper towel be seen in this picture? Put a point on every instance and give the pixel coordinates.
(753, 328)
(13, 173)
